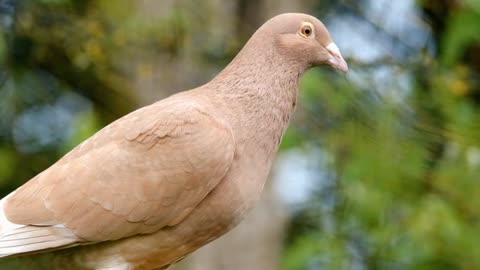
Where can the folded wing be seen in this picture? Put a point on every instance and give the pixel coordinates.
(146, 171)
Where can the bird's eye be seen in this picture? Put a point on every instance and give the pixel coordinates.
(306, 30)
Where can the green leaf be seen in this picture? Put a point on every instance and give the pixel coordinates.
(461, 33)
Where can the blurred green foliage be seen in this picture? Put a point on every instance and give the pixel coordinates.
(462, 32)
(404, 176)
(66, 72)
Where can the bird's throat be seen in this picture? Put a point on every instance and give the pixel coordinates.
(260, 99)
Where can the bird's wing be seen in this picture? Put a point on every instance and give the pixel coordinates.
(146, 171)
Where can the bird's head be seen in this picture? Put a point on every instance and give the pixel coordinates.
(304, 39)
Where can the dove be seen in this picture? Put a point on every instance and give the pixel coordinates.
(159, 183)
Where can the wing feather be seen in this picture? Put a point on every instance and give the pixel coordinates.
(146, 171)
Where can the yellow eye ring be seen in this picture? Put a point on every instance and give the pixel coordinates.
(306, 30)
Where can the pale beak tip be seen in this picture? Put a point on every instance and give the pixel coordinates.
(343, 67)
(336, 59)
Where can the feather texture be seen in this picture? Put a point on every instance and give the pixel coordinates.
(162, 181)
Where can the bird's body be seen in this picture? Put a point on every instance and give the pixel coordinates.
(159, 183)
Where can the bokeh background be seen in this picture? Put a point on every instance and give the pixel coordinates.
(378, 170)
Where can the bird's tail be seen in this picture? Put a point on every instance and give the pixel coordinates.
(16, 239)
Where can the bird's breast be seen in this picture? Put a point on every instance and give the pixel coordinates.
(219, 212)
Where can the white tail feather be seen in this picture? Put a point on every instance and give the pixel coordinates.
(5, 224)
(16, 239)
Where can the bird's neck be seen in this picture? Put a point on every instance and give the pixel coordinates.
(260, 91)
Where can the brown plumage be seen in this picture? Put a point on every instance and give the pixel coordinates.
(164, 180)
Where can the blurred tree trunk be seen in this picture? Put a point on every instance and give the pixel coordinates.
(213, 34)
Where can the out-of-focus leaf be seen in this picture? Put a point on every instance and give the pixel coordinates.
(85, 125)
(462, 32)
(3, 49)
(8, 162)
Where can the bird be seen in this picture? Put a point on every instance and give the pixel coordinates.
(155, 185)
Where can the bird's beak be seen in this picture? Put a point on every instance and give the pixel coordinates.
(336, 60)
